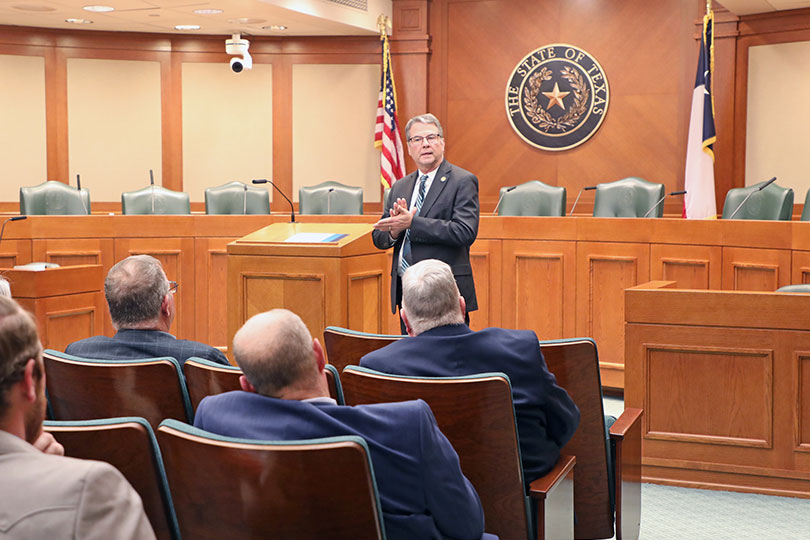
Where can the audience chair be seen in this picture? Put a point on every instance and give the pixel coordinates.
(806, 210)
(476, 415)
(532, 198)
(87, 389)
(206, 378)
(346, 347)
(54, 198)
(155, 200)
(314, 489)
(772, 203)
(330, 198)
(575, 363)
(630, 197)
(386, 194)
(795, 288)
(129, 445)
(236, 198)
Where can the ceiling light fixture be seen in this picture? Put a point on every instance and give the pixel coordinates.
(33, 7)
(78, 21)
(274, 27)
(207, 11)
(246, 20)
(187, 27)
(98, 8)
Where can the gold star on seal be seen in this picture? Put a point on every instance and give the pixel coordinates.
(555, 97)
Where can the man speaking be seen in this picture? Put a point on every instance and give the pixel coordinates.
(431, 213)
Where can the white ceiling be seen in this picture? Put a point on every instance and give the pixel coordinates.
(301, 17)
(749, 7)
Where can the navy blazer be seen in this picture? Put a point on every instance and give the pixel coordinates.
(422, 491)
(445, 228)
(546, 415)
(139, 344)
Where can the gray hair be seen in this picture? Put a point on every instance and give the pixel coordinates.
(274, 351)
(5, 288)
(430, 296)
(18, 344)
(426, 118)
(135, 288)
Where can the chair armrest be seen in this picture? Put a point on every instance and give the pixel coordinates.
(626, 433)
(554, 496)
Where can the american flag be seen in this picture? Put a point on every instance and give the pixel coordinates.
(386, 133)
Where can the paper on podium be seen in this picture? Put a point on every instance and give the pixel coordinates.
(315, 238)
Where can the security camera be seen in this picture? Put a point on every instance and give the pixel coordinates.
(238, 47)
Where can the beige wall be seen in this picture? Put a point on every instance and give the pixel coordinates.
(114, 124)
(778, 131)
(227, 125)
(23, 152)
(334, 111)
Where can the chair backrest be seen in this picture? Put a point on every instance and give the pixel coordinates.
(346, 347)
(330, 198)
(54, 198)
(532, 198)
(129, 445)
(575, 364)
(772, 203)
(206, 378)
(476, 415)
(629, 197)
(236, 198)
(806, 210)
(155, 200)
(87, 389)
(321, 488)
(795, 288)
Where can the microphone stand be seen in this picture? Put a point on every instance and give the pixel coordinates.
(507, 190)
(292, 208)
(244, 202)
(766, 184)
(662, 200)
(587, 188)
(79, 187)
(3, 228)
(152, 183)
(329, 200)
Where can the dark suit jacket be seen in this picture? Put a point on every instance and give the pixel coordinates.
(546, 416)
(422, 491)
(445, 228)
(138, 344)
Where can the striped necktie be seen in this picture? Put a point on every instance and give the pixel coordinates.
(406, 260)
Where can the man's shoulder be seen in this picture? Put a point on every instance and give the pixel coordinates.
(457, 172)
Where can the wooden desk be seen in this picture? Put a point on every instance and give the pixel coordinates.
(723, 378)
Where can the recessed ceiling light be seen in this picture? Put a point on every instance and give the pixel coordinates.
(246, 20)
(33, 7)
(78, 21)
(187, 27)
(98, 8)
(207, 11)
(274, 27)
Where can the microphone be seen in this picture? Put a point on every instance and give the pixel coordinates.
(244, 202)
(329, 200)
(662, 200)
(152, 183)
(79, 187)
(292, 208)
(507, 190)
(15, 218)
(760, 188)
(586, 188)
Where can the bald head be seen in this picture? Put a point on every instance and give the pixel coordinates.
(430, 296)
(275, 352)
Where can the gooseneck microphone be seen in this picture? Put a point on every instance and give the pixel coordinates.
(507, 190)
(292, 208)
(15, 218)
(760, 188)
(152, 183)
(244, 201)
(79, 187)
(586, 188)
(662, 200)
(329, 200)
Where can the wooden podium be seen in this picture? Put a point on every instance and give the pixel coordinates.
(67, 302)
(341, 282)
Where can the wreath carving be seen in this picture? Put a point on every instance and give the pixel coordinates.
(540, 117)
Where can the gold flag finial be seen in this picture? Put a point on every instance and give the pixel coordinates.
(708, 7)
(384, 24)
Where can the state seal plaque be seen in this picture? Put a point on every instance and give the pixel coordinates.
(557, 97)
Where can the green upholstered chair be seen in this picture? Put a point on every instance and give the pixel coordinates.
(629, 197)
(772, 203)
(386, 193)
(236, 198)
(86, 389)
(795, 288)
(484, 434)
(330, 198)
(311, 489)
(155, 200)
(806, 209)
(54, 198)
(532, 198)
(129, 445)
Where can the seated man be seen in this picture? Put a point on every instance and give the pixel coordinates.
(46, 495)
(441, 345)
(141, 302)
(422, 491)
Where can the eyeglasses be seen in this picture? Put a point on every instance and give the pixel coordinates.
(173, 285)
(418, 139)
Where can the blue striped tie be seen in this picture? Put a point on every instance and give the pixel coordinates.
(406, 261)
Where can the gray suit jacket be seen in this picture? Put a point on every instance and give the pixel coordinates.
(52, 497)
(445, 228)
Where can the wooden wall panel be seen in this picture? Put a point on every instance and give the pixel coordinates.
(68, 318)
(746, 269)
(364, 295)
(301, 292)
(692, 267)
(800, 267)
(485, 257)
(13, 252)
(211, 273)
(802, 397)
